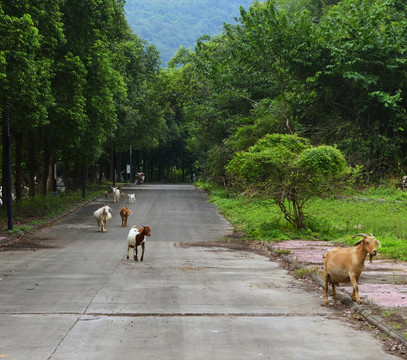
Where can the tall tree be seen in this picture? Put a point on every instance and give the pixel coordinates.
(31, 33)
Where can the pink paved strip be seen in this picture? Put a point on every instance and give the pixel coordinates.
(393, 293)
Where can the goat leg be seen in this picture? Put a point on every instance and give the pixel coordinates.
(143, 247)
(326, 290)
(334, 296)
(355, 293)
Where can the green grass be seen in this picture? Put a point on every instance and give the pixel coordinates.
(30, 212)
(304, 272)
(382, 212)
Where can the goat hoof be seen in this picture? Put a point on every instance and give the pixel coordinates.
(135, 259)
(127, 258)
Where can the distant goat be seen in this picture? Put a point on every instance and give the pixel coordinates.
(342, 265)
(116, 194)
(124, 213)
(106, 193)
(135, 238)
(122, 195)
(102, 216)
(132, 198)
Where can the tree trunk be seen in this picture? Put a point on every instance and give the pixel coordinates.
(45, 171)
(112, 162)
(118, 166)
(18, 167)
(51, 173)
(66, 174)
(31, 168)
(3, 178)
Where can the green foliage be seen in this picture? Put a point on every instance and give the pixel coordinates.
(331, 71)
(37, 210)
(337, 219)
(75, 78)
(289, 170)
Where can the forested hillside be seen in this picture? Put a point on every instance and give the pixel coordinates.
(169, 24)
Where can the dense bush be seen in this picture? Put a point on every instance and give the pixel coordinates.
(288, 170)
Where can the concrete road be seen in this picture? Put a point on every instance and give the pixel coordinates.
(81, 299)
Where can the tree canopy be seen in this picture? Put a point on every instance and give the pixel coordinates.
(332, 72)
(75, 78)
(81, 87)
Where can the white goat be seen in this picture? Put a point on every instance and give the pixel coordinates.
(116, 194)
(132, 198)
(102, 216)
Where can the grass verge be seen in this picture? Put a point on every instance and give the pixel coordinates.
(31, 212)
(382, 212)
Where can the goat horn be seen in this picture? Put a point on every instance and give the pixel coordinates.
(361, 234)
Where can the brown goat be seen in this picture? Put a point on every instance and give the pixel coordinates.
(346, 264)
(124, 213)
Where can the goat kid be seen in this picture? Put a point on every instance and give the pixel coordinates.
(124, 213)
(136, 237)
(342, 265)
(132, 198)
(116, 194)
(102, 216)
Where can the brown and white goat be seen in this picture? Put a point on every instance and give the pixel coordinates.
(102, 216)
(136, 237)
(342, 265)
(124, 213)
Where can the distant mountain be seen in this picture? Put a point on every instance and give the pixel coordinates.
(169, 24)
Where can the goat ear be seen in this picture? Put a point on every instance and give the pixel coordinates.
(358, 243)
